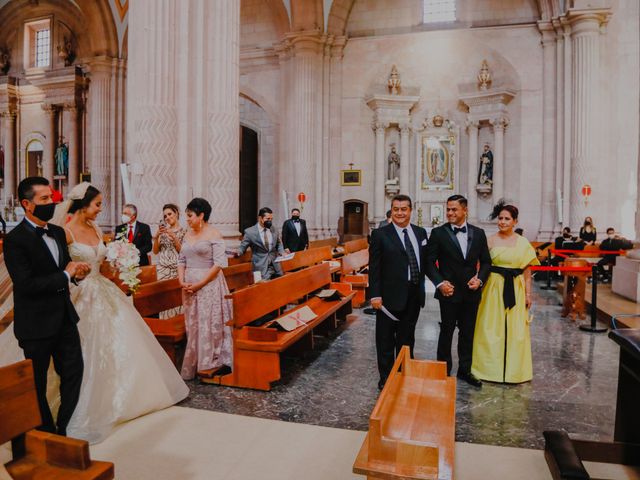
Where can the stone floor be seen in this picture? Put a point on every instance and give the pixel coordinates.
(574, 384)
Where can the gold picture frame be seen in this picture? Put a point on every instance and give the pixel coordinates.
(350, 178)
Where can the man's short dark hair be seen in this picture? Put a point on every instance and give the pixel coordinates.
(566, 230)
(458, 198)
(263, 211)
(402, 198)
(25, 187)
(611, 229)
(388, 214)
(295, 210)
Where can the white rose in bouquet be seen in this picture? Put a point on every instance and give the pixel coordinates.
(125, 257)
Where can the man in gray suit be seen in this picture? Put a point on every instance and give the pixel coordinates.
(386, 221)
(265, 243)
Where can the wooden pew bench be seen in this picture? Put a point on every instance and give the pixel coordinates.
(350, 272)
(257, 349)
(325, 242)
(308, 258)
(156, 297)
(356, 245)
(412, 426)
(36, 454)
(244, 258)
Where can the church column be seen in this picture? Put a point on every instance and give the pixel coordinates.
(499, 126)
(379, 195)
(9, 154)
(405, 132)
(72, 180)
(584, 136)
(548, 133)
(48, 160)
(335, 134)
(472, 178)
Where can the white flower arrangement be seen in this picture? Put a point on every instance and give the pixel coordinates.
(125, 257)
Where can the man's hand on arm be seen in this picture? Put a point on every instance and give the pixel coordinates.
(376, 303)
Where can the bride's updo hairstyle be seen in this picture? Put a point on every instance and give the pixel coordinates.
(502, 205)
(78, 204)
(200, 205)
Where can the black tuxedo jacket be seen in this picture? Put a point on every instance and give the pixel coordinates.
(389, 264)
(40, 287)
(444, 248)
(290, 237)
(141, 239)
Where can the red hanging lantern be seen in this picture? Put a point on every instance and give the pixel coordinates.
(586, 193)
(302, 198)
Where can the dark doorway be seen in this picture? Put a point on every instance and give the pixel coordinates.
(248, 178)
(355, 220)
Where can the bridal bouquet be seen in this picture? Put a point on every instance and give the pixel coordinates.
(125, 257)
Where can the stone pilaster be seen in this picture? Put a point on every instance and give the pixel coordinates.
(334, 206)
(48, 160)
(380, 173)
(9, 154)
(74, 149)
(405, 133)
(472, 179)
(499, 126)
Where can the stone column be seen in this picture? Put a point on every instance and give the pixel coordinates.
(74, 149)
(472, 175)
(549, 130)
(405, 161)
(335, 134)
(584, 135)
(379, 195)
(499, 125)
(50, 144)
(9, 154)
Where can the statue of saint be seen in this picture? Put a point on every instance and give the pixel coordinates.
(485, 172)
(394, 164)
(62, 159)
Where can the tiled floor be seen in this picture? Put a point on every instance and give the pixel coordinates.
(574, 385)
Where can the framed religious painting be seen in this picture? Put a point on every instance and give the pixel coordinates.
(437, 161)
(350, 178)
(436, 214)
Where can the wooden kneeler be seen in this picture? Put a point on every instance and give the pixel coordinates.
(39, 455)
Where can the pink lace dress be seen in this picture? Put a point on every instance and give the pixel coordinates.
(206, 312)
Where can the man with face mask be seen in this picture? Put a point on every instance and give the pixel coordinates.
(136, 232)
(613, 242)
(294, 233)
(41, 269)
(265, 245)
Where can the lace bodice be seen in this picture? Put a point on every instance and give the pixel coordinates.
(94, 256)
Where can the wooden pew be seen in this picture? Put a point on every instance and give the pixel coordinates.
(412, 426)
(307, 258)
(356, 245)
(325, 242)
(244, 258)
(148, 274)
(39, 455)
(156, 297)
(352, 265)
(257, 349)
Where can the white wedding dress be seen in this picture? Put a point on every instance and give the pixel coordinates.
(126, 372)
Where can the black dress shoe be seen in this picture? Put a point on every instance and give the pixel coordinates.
(369, 311)
(471, 379)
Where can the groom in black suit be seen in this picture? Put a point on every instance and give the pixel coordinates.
(295, 237)
(397, 254)
(38, 262)
(458, 263)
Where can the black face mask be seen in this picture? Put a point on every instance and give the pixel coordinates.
(44, 212)
(267, 224)
(295, 218)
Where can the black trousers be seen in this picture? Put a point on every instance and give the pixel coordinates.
(463, 315)
(66, 352)
(392, 335)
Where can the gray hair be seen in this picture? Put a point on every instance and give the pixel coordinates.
(133, 208)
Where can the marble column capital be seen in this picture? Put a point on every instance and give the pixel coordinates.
(380, 127)
(9, 114)
(471, 124)
(499, 123)
(49, 109)
(70, 107)
(306, 43)
(405, 128)
(588, 21)
(548, 33)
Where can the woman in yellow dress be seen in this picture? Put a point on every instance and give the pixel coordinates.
(501, 343)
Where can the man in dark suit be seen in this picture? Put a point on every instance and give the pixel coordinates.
(458, 263)
(294, 233)
(136, 232)
(396, 280)
(386, 221)
(38, 262)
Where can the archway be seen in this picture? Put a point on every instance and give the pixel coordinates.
(33, 159)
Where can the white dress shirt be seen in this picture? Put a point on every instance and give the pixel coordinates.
(414, 242)
(297, 226)
(52, 245)
(463, 238)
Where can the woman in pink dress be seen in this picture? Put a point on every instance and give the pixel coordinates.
(206, 311)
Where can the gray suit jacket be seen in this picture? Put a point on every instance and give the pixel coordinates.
(261, 257)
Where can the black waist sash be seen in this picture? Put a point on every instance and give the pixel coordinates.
(508, 293)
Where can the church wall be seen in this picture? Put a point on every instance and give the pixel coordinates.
(257, 27)
(436, 63)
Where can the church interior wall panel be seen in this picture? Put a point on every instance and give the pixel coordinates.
(257, 25)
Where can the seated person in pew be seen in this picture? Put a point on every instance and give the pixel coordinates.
(613, 242)
(265, 243)
(206, 310)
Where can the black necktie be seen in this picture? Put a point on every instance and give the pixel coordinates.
(44, 231)
(457, 230)
(413, 261)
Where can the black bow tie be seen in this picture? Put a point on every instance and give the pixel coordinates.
(44, 231)
(296, 220)
(457, 230)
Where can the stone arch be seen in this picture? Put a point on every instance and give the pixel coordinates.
(30, 139)
(306, 15)
(339, 16)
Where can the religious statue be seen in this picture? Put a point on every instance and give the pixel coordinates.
(39, 167)
(394, 163)
(485, 172)
(62, 159)
(484, 77)
(5, 60)
(1, 162)
(66, 53)
(394, 81)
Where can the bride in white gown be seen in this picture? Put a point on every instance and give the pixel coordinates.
(126, 372)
